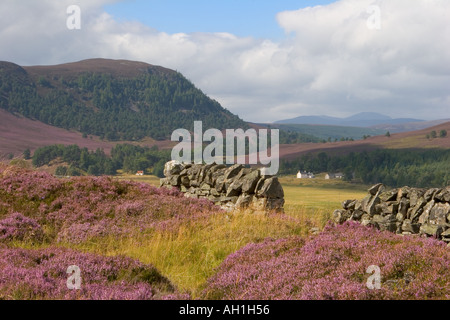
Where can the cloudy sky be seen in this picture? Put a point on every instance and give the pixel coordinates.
(263, 60)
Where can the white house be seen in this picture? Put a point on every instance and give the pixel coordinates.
(305, 175)
(140, 173)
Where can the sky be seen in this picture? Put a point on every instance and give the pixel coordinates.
(242, 18)
(262, 60)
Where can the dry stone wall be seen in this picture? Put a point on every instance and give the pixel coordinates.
(404, 211)
(234, 187)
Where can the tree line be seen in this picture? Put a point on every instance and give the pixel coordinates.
(126, 157)
(396, 168)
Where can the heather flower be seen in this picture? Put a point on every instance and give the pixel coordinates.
(41, 274)
(18, 227)
(31, 185)
(82, 208)
(332, 266)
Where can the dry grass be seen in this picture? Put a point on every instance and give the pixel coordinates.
(190, 255)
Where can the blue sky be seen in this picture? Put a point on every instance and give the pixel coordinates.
(256, 18)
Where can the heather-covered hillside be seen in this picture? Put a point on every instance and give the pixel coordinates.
(40, 211)
(75, 210)
(333, 265)
(135, 241)
(42, 274)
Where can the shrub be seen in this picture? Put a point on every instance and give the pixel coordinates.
(81, 208)
(18, 227)
(27, 154)
(42, 274)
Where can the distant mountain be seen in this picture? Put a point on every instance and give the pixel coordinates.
(363, 119)
(322, 120)
(368, 115)
(112, 99)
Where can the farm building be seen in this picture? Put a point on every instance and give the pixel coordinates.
(305, 175)
(140, 173)
(330, 176)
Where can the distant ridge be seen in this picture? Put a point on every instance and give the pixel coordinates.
(116, 68)
(363, 119)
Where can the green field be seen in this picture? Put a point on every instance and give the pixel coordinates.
(190, 255)
(316, 196)
(153, 180)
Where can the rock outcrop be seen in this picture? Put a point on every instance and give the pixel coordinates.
(234, 187)
(404, 211)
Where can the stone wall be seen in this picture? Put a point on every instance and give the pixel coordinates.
(234, 187)
(404, 211)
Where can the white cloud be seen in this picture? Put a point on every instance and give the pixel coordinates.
(329, 63)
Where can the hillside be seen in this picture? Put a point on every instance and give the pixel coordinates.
(326, 132)
(409, 126)
(18, 133)
(112, 99)
(412, 159)
(405, 140)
